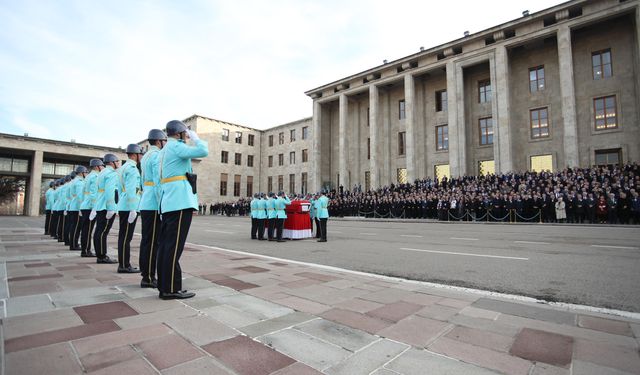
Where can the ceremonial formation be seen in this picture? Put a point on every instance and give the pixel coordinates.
(159, 186)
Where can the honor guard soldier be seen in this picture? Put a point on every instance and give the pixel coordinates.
(48, 199)
(74, 213)
(55, 216)
(105, 207)
(89, 193)
(129, 200)
(271, 216)
(254, 218)
(280, 204)
(149, 208)
(261, 216)
(322, 213)
(177, 204)
(67, 200)
(313, 214)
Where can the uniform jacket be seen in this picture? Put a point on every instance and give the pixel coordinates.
(175, 162)
(130, 186)
(48, 196)
(321, 205)
(75, 191)
(280, 205)
(89, 191)
(254, 208)
(271, 209)
(262, 209)
(107, 183)
(150, 166)
(312, 208)
(61, 198)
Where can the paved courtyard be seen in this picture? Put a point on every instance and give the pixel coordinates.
(63, 314)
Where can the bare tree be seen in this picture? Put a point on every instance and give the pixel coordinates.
(9, 186)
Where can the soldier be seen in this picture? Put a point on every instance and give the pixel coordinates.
(89, 193)
(130, 192)
(149, 208)
(55, 216)
(74, 206)
(261, 216)
(178, 202)
(271, 216)
(254, 216)
(322, 213)
(48, 199)
(62, 205)
(105, 207)
(312, 214)
(280, 204)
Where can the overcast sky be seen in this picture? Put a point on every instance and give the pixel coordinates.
(105, 72)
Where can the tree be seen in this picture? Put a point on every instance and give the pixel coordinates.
(9, 186)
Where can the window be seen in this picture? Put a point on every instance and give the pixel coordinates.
(484, 91)
(305, 132)
(225, 135)
(305, 155)
(249, 160)
(402, 114)
(605, 112)
(601, 62)
(368, 116)
(249, 186)
(280, 183)
(239, 137)
(281, 138)
(304, 183)
(486, 167)
(281, 159)
(270, 183)
(367, 181)
(271, 141)
(442, 137)
(292, 135)
(441, 101)
(236, 185)
(368, 148)
(47, 168)
(292, 183)
(609, 157)
(238, 159)
(18, 165)
(539, 123)
(251, 139)
(292, 157)
(441, 171)
(224, 157)
(541, 163)
(223, 184)
(402, 175)
(486, 131)
(270, 161)
(401, 142)
(536, 79)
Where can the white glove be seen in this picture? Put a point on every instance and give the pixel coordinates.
(92, 215)
(193, 135)
(132, 216)
(110, 214)
(65, 213)
(80, 213)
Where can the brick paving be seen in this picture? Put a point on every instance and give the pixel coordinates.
(63, 314)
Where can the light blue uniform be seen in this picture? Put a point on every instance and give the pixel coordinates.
(271, 209)
(262, 209)
(280, 205)
(89, 191)
(107, 183)
(150, 166)
(48, 196)
(321, 205)
(312, 208)
(175, 162)
(254, 208)
(75, 191)
(61, 198)
(130, 186)
(68, 192)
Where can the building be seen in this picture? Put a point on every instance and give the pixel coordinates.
(553, 89)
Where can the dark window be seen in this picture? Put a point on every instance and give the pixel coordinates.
(292, 135)
(236, 185)
(609, 157)
(225, 135)
(249, 186)
(605, 112)
(305, 155)
(601, 62)
(401, 142)
(368, 116)
(292, 157)
(292, 183)
(223, 184)
(484, 91)
(224, 157)
(486, 131)
(281, 138)
(368, 148)
(270, 161)
(304, 183)
(305, 132)
(239, 137)
(238, 159)
(441, 101)
(280, 183)
(250, 140)
(280, 159)
(270, 183)
(271, 141)
(249, 160)
(536, 79)
(442, 137)
(539, 119)
(402, 114)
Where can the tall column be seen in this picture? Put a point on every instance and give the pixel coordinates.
(500, 109)
(373, 135)
(342, 140)
(567, 91)
(35, 182)
(316, 184)
(409, 107)
(457, 137)
(387, 178)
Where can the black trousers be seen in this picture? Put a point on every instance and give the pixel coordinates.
(149, 244)
(103, 226)
(317, 227)
(86, 229)
(47, 222)
(323, 229)
(279, 228)
(125, 234)
(271, 226)
(74, 228)
(54, 224)
(173, 235)
(261, 228)
(61, 223)
(254, 228)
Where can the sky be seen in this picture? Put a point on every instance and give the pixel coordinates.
(106, 72)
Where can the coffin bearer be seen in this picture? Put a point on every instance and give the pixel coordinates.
(130, 190)
(149, 206)
(254, 217)
(177, 204)
(48, 199)
(74, 206)
(322, 213)
(89, 193)
(105, 207)
(280, 204)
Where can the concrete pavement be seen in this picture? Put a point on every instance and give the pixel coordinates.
(63, 314)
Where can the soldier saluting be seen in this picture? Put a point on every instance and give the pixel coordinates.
(177, 204)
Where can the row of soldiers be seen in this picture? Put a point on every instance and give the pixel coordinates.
(269, 210)
(159, 186)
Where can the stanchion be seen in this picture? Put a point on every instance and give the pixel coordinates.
(540, 214)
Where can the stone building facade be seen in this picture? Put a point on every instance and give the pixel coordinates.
(554, 89)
